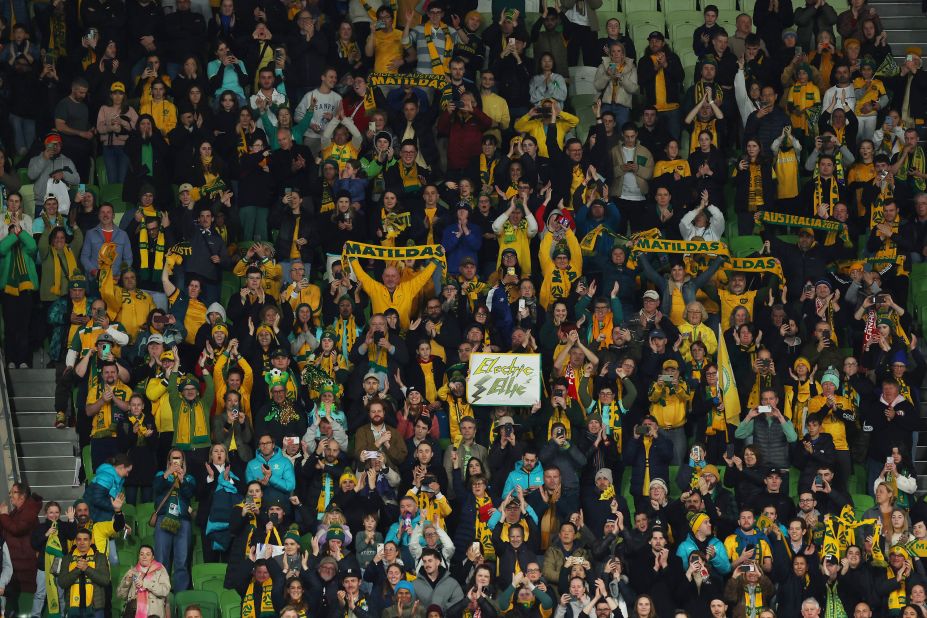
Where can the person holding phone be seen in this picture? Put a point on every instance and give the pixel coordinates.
(173, 491)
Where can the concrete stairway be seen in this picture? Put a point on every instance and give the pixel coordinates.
(46, 455)
(905, 24)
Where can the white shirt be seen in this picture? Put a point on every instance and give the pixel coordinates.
(838, 92)
(629, 189)
(324, 102)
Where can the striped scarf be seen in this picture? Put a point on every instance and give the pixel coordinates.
(18, 280)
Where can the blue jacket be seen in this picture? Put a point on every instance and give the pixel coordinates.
(611, 220)
(106, 484)
(720, 563)
(94, 239)
(457, 249)
(526, 479)
(282, 478)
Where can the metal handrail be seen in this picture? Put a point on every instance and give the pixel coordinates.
(9, 462)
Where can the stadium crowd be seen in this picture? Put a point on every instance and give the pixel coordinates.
(261, 241)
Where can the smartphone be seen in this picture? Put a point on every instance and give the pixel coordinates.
(151, 66)
(819, 480)
(764, 409)
(889, 460)
(745, 568)
(475, 546)
(909, 58)
(278, 53)
(729, 451)
(81, 188)
(380, 25)
(889, 121)
(798, 50)
(107, 348)
(511, 40)
(379, 548)
(521, 304)
(371, 127)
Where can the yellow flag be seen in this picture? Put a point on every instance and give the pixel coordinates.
(726, 383)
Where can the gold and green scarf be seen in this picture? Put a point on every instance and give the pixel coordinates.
(53, 551)
(266, 608)
(81, 595)
(147, 270)
(439, 62)
(824, 225)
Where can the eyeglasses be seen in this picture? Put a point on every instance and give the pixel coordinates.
(267, 443)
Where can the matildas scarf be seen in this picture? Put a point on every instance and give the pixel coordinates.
(487, 170)
(439, 61)
(266, 604)
(80, 595)
(147, 269)
(53, 551)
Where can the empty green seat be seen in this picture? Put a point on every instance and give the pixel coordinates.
(207, 600)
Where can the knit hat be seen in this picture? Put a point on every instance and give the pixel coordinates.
(52, 138)
(659, 483)
(219, 326)
(347, 475)
(900, 357)
(831, 376)
(696, 520)
(405, 585)
(605, 473)
(801, 360)
(292, 533)
(335, 533)
(710, 469)
(217, 308)
(887, 321)
(848, 43)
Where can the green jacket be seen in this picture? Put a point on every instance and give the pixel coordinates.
(8, 246)
(99, 576)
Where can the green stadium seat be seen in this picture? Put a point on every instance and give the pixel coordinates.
(127, 555)
(143, 512)
(486, 21)
(28, 193)
(638, 16)
(639, 5)
(231, 604)
(746, 6)
(607, 5)
(681, 32)
(100, 169)
(529, 19)
(213, 584)
(688, 76)
(111, 193)
(24, 175)
(742, 246)
(724, 6)
(20, 605)
(684, 16)
(88, 465)
(686, 56)
(206, 599)
(672, 6)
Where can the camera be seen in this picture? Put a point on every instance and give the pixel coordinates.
(641, 430)
(379, 25)
(376, 337)
(544, 111)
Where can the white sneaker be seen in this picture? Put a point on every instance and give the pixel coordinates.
(11, 365)
(23, 366)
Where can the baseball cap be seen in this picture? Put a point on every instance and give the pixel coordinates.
(652, 295)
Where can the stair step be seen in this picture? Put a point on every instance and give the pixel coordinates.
(902, 22)
(61, 448)
(44, 388)
(891, 9)
(46, 433)
(60, 478)
(904, 37)
(38, 420)
(32, 403)
(46, 463)
(31, 375)
(64, 495)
